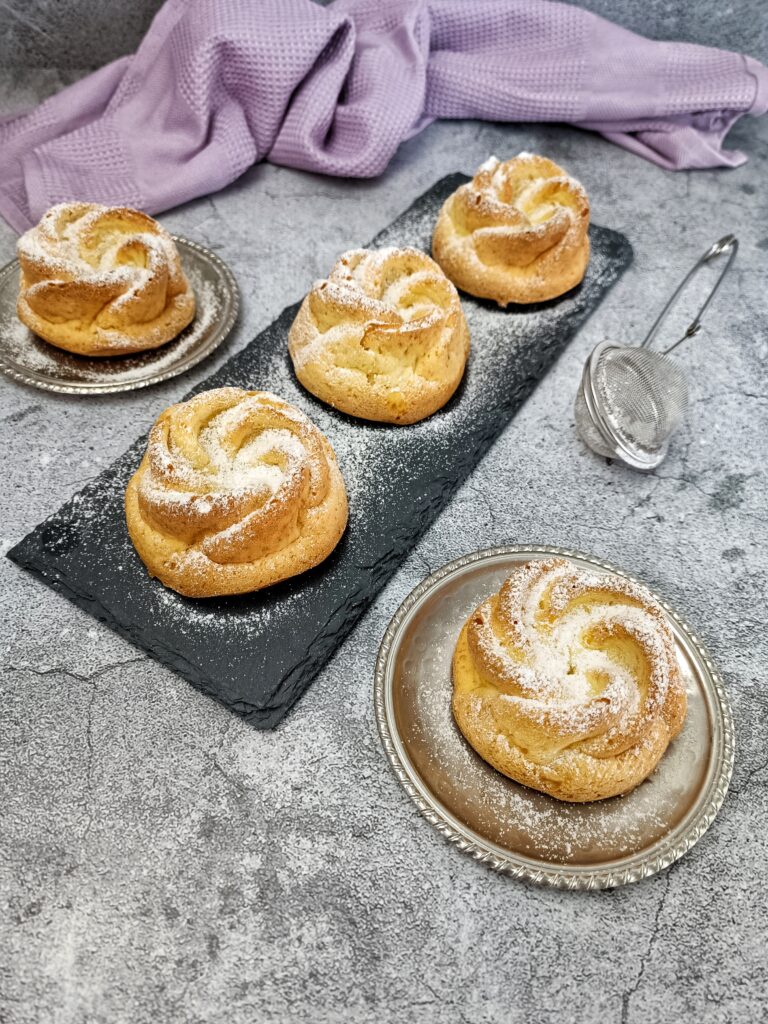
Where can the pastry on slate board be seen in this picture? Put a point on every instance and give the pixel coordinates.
(237, 490)
(383, 338)
(567, 681)
(515, 233)
(102, 281)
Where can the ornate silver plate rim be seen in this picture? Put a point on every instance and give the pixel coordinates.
(225, 321)
(622, 871)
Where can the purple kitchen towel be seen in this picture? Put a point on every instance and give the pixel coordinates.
(219, 84)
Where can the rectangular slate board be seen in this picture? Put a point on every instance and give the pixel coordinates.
(258, 653)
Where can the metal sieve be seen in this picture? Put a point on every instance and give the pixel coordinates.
(632, 398)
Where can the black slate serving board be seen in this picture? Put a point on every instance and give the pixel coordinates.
(258, 653)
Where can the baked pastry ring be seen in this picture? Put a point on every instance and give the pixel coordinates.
(567, 681)
(102, 281)
(237, 490)
(383, 338)
(516, 233)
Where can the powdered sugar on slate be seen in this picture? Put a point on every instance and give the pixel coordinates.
(258, 652)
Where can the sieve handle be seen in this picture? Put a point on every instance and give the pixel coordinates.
(728, 244)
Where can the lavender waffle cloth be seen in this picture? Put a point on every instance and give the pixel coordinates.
(217, 85)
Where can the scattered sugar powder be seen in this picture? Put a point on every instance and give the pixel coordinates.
(27, 353)
(359, 283)
(248, 650)
(64, 243)
(518, 818)
(554, 679)
(235, 478)
(245, 469)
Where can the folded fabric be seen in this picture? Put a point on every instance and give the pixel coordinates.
(217, 85)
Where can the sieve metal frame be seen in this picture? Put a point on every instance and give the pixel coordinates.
(638, 457)
(727, 245)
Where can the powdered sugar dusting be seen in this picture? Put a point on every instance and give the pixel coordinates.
(518, 192)
(66, 245)
(396, 288)
(258, 653)
(517, 818)
(247, 468)
(253, 470)
(560, 676)
(31, 355)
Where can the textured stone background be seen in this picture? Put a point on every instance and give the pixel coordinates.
(160, 861)
(87, 33)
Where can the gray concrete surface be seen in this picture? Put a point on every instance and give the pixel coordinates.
(88, 33)
(160, 861)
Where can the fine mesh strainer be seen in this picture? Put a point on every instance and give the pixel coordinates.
(631, 398)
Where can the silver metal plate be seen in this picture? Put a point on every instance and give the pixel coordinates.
(28, 359)
(514, 829)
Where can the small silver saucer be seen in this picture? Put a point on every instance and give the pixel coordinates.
(28, 359)
(517, 830)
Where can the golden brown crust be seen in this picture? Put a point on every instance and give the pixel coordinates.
(516, 233)
(567, 681)
(383, 338)
(102, 281)
(237, 490)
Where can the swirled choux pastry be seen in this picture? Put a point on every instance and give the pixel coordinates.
(517, 232)
(383, 338)
(237, 490)
(102, 281)
(566, 680)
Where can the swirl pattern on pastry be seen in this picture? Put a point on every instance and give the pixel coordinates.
(517, 232)
(237, 490)
(567, 681)
(102, 281)
(383, 338)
